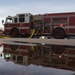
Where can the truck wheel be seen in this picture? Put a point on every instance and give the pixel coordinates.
(58, 49)
(14, 47)
(15, 33)
(59, 33)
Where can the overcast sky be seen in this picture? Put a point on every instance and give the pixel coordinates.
(13, 7)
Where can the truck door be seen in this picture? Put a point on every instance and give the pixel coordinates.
(47, 25)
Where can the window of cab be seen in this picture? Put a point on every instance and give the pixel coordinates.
(15, 20)
(22, 18)
(8, 20)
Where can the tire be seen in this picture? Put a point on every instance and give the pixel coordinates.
(58, 49)
(15, 33)
(14, 47)
(59, 33)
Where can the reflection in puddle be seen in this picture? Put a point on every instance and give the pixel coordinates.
(56, 56)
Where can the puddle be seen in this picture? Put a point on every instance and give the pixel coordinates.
(37, 59)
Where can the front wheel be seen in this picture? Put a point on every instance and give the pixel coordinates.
(15, 33)
(59, 33)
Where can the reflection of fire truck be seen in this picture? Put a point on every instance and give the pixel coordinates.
(42, 55)
(58, 25)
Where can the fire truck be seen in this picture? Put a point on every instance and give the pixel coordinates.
(59, 25)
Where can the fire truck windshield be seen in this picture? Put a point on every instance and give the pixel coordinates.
(8, 20)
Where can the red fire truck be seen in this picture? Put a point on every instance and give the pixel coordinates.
(59, 25)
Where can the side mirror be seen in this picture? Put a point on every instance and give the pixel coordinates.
(3, 22)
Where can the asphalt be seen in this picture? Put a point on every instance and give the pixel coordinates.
(70, 42)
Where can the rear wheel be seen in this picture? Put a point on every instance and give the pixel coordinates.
(58, 49)
(15, 33)
(59, 33)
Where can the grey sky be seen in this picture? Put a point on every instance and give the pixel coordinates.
(13, 7)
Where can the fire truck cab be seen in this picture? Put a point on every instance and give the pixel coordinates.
(17, 25)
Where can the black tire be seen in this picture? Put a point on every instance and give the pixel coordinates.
(14, 47)
(58, 49)
(59, 33)
(15, 33)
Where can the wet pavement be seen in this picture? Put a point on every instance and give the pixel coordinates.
(36, 59)
(51, 41)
